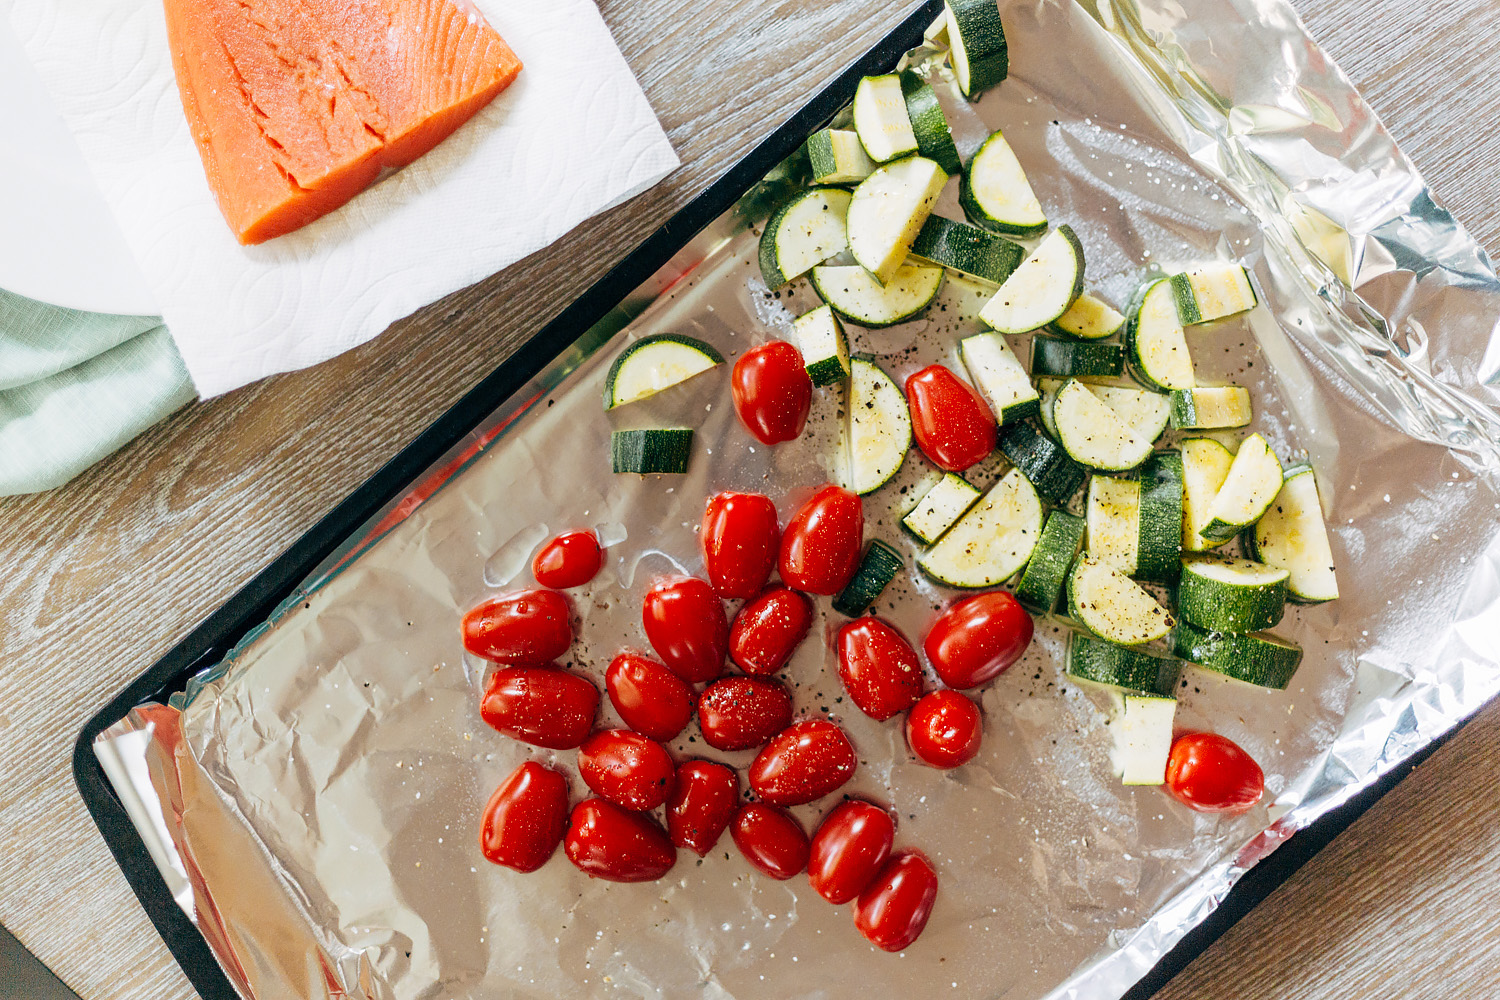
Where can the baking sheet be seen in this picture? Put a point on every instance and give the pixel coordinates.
(313, 801)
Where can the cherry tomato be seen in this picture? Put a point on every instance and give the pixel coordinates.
(771, 839)
(803, 762)
(772, 392)
(701, 804)
(543, 706)
(820, 547)
(525, 818)
(879, 668)
(626, 768)
(569, 560)
(977, 639)
(738, 713)
(685, 622)
(739, 539)
(952, 423)
(616, 844)
(769, 629)
(528, 628)
(1210, 773)
(650, 698)
(892, 911)
(849, 849)
(943, 729)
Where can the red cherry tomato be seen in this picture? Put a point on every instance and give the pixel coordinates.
(569, 560)
(849, 849)
(685, 622)
(738, 713)
(771, 839)
(739, 539)
(943, 729)
(543, 706)
(879, 668)
(769, 629)
(616, 844)
(526, 628)
(977, 639)
(701, 804)
(892, 911)
(772, 392)
(952, 423)
(525, 818)
(804, 762)
(650, 698)
(626, 768)
(820, 547)
(1210, 773)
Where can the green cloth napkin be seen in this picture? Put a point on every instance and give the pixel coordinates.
(75, 386)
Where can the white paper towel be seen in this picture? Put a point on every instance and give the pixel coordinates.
(572, 136)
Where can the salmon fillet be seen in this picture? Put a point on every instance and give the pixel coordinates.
(297, 105)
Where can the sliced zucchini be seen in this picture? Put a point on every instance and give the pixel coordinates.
(650, 451)
(1042, 287)
(1213, 291)
(990, 543)
(1099, 662)
(1291, 534)
(1048, 388)
(824, 345)
(1143, 736)
(856, 294)
(967, 249)
(1113, 515)
(929, 124)
(1159, 549)
(654, 363)
(1254, 480)
(1041, 586)
(976, 45)
(1231, 595)
(879, 426)
(837, 157)
(1158, 347)
(1211, 407)
(1114, 607)
(887, 211)
(995, 193)
(999, 376)
(1264, 660)
(940, 507)
(1088, 319)
(1094, 434)
(1143, 411)
(1205, 466)
(880, 119)
(1042, 461)
(876, 570)
(1075, 359)
(802, 233)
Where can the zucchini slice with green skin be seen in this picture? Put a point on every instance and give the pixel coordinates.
(887, 211)
(1114, 607)
(993, 541)
(1154, 337)
(1088, 319)
(1212, 291)
(928, 123)
(993, 367)
(1263, 660)
(836, 157)
(1205, 466)
(879, 431)
(650, 451)
(1061, 358)
(1159, 549)
(1231, 595)
(1041, 586)
(1254, 480)
(1041, 288)
(1093, 433)
(1048, 388)
(1143, 736)
(857, 296)
(654, 363)
(1291, 534)
(967, 249)
(876, 570)
(1211, 407)
(1098, 662)
(996, 195)
(1113, 516)
(940, 507)
(824, 345)
(1044, 462)
(803, 233)
(1143, 411)
(880, 119)
(976, 45)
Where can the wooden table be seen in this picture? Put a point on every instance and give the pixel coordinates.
(102, 577)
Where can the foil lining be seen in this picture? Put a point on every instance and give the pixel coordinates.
(313, 800)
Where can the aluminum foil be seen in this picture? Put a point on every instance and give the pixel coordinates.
(313, 801)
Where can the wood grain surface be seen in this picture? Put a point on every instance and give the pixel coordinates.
(103, 576)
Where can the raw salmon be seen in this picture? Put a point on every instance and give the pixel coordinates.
(297, 105)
